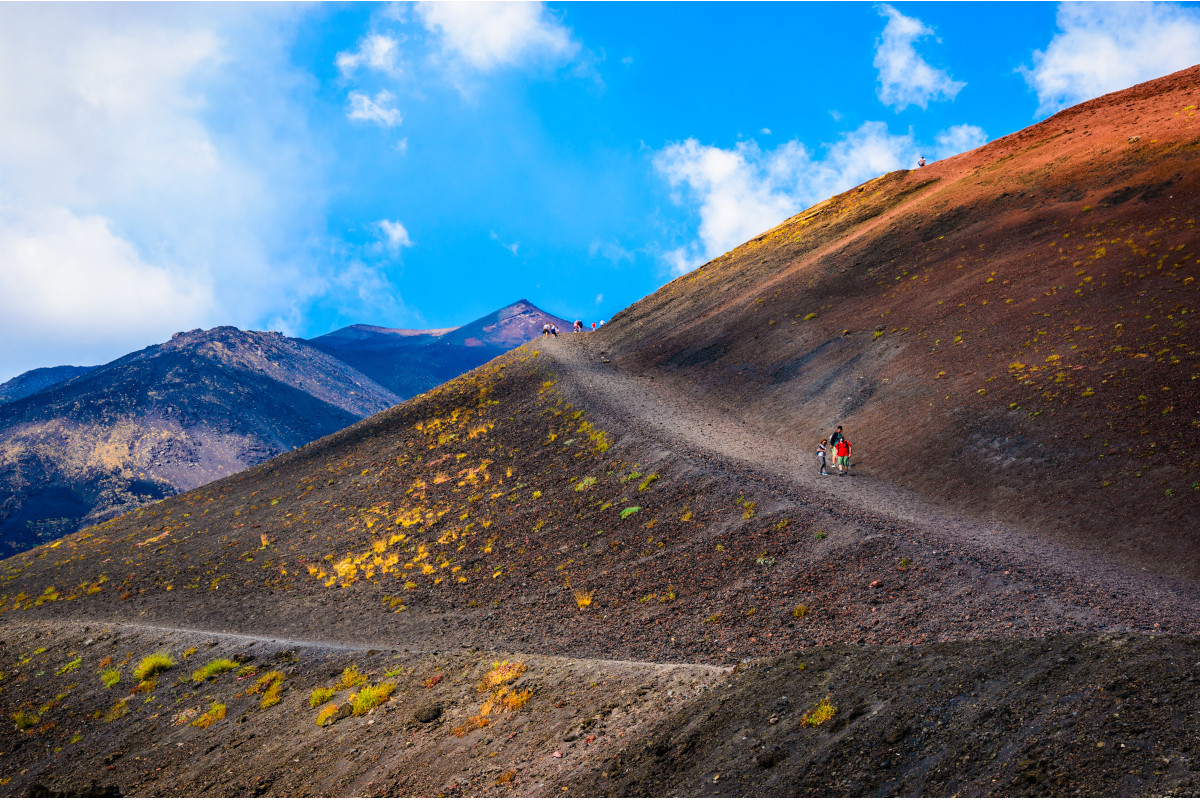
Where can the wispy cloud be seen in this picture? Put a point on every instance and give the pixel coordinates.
(512, 248)
(1103, 47)
(742, 191)
(379, 110)
(959, 139)
(905, 78)
(488, 35)
(395, 235)
(375, 51)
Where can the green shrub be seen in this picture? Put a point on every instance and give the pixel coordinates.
(214, 668)
(644, 485)
(24, 720)
(368, 697)
(152, 665)
(320, 695)
(111, 677)
(215, 713)
(630, 511)
(351, 677)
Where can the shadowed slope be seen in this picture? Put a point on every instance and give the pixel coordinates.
(37, 380)
(409, 362)
(165, 419)
(1008, 331)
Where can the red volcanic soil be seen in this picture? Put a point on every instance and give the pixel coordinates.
(1009, 332)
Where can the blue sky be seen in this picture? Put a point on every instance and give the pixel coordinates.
(303, 167)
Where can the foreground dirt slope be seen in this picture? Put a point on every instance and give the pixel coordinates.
(1010, 330)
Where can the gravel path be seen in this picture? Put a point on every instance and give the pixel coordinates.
(651, 408)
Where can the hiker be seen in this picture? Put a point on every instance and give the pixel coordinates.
(593, 327)
(821, 449)
(921, 161)
(554, 331)
(843, 456)
(546, 329)
(836, 437)
(601, 323)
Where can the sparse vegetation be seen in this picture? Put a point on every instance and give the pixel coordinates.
(320, 695)
(152, 665)
(351, 677)
(583, 599)
(629, 511)
(215, 713)
(822, 712)
(368, 697)
(214, 668)
(110, 677)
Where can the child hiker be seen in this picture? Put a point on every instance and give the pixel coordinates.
(821, 449)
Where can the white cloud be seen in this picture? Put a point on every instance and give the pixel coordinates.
(512, 248)
(70, 282)
(140, 150)
(765, 131)
(375, 51)
(959, 139)
(599, 299)
(395, 235)
(1103, 47)
(378, 110)
(401, 146)
(904, 77)
(743, 191)
(487, 35)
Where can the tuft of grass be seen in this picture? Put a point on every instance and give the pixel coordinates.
(822, 712)
(215, 713)
(111, 677)
(214, 668)
(270, 685)
(819, 535)
(502, 672)
(369, 697)
(326, 714)
(120, 709)
(24, 720)
(810, 316)
(191, 651)
(583, 599)
(351, 677)
(686, 516)
(152, 665)
(320, 695)
(904, 563)
(586, 483)
(800, 611)
(644, 485)
(70, 666)
(630, 511)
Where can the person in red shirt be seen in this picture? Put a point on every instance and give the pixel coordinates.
(843, 456)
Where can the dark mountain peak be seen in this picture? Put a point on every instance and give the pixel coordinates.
(505, 328)
(37, 380)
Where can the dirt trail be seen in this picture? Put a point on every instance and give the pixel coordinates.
(659, 410)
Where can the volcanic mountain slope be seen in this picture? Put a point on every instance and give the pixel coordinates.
(438, 548)
(409, 362)
(163, 420)
(558, 573)
(36, 380)
(1010, 331)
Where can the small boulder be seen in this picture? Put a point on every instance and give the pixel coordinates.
(428, 713)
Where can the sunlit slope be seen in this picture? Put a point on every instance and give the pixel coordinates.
(1010, 330)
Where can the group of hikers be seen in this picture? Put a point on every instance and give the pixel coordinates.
(841, 453)
(550, 329)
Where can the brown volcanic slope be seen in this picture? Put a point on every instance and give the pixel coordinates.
(1009, 331)
(163, 420)
(558, 512)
